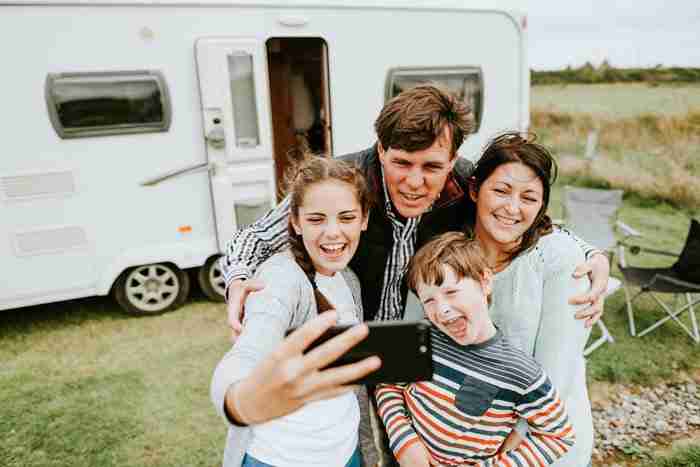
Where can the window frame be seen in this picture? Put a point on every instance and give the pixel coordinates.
(109, 130)
(432, 70)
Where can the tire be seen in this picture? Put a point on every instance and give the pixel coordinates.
(211, 279)
(151, 289)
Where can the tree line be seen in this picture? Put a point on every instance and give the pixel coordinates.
(606, 73)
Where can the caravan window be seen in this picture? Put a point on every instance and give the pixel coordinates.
(99, 103)
(465, 82)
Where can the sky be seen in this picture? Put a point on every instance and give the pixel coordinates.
(628, 33)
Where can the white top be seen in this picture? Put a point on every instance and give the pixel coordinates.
(530, 306)
(312, 436)
(336, 290)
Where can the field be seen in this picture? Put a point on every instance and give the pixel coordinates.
(81, 384)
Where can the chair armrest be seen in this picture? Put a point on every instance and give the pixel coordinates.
(627, 230)
(635, 250)
(689, 286)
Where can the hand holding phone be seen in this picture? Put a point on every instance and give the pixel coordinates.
(404, 347)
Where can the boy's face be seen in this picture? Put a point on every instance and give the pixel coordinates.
(459, 308)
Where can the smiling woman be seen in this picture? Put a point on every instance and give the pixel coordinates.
(533, 263)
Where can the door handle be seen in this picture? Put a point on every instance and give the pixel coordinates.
(216, 138)
(175, 173)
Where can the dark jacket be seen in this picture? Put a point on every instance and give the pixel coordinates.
(448, 214)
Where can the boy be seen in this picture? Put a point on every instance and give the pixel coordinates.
(481, 386)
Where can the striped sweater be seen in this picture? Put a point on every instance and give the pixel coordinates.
(477, 394)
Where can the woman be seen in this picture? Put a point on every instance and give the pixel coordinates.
(534, 262)
(328, 212)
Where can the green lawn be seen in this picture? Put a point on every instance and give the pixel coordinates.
(81, 384)
(617, 100)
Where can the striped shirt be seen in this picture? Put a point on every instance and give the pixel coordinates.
(404, 234)
(477, 395)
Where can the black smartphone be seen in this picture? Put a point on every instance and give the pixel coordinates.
(404, 347)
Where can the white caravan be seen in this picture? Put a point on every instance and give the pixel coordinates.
(139, 134)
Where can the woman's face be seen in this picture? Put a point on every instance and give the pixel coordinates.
(507, 204)
(330, 221)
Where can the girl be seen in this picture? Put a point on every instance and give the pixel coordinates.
(328, 212)
(534, 262)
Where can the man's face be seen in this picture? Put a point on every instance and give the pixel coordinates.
(459, 307)
(415, 179)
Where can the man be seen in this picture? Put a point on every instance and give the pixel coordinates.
(420, 188)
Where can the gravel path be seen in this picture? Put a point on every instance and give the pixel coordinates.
(635, 419)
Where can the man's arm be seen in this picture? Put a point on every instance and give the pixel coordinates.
(255, 243)
(246, 250)
(550, 433)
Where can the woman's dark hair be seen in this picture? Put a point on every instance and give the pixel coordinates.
(316, 169)
(518, 147)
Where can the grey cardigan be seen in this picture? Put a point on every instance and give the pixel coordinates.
(287, 301)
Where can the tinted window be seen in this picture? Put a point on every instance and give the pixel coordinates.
(92, 104)
(465, 82)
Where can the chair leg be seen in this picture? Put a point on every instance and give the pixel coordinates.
(693, 319)
(672, 314)
(605, 336)
(630, 311)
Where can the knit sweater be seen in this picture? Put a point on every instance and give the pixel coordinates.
(530, 306)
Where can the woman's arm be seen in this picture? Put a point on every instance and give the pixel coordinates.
(560, 338)
(597, 268)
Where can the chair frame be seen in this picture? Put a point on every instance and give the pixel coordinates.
(672, 312)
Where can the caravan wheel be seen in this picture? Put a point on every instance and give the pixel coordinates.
(211, 279)
(151, 289)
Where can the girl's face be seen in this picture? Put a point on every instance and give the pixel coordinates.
(507, 204)
(330, 221)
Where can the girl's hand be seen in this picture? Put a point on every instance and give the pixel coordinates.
(288, 378)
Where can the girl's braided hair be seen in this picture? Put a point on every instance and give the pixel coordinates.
(311, 170)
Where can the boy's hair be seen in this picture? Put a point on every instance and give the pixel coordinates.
(454, 249)
(415, 118)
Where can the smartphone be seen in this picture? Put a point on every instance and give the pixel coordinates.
(404, 347)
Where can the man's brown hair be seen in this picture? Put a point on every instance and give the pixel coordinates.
(454, 249)
(414, 119)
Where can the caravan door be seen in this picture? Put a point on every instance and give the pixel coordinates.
(235, 108)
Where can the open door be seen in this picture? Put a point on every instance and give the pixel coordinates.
(299, 100)
(234, 92)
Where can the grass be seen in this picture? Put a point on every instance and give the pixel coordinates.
(688, 456)
(648, 138)
(83, 385)
(615, 101)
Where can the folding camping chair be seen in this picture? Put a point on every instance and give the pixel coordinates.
(680, 279)
(592, 215)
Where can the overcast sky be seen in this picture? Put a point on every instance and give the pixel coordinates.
(626, 32)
